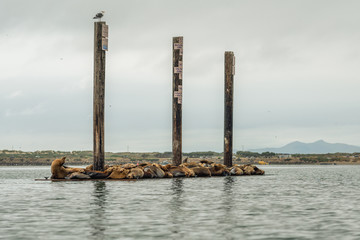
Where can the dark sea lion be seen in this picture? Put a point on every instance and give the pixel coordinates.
(258, 171)
(98, 175)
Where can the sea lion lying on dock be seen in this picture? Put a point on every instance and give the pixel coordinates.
(118, 173)
(178, 171)
(201, 171)
(219, 170)
(204, 168)
(135, 173)
(77, 175)
(236, 170)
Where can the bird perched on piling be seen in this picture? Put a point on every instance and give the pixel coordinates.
(99, 15)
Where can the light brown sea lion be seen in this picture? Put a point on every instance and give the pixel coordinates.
(237, 171)
(178, 171)
(248, 170)
(191, 165)
(77, 175)
(90, 167)
(128, 165)
(59, 171)
(166, 167)
(201, 171)
(219, 170)
(135, 173)
(119, 173)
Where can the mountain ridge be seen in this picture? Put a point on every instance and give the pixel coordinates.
(317, 147)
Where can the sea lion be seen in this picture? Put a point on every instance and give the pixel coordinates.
(90, 167)
(144, 164)
(168, 175)
(59, 171)
(178, 171)
(98, 174)
(206, 163)
(156, 168)
(258, 171)
(135, 173)
(119, 173)
(191, 165)
(148, 172)
(248, 170)
(128, 166)
(153, 171)
(77, 175)
(219, 170)
(237, 171)
(201, 171)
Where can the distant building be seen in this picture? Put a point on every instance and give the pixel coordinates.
(282, 156)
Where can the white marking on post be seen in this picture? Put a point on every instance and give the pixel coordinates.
(178, 94)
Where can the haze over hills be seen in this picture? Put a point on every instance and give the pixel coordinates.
(318, 147)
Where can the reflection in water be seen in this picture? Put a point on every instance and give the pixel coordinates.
(228, 203)
(97, 208)
(176, 205)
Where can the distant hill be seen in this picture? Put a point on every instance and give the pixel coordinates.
(318, 147)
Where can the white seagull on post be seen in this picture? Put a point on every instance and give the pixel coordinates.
(99, 15)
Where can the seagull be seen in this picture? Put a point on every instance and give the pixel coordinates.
(99, 15)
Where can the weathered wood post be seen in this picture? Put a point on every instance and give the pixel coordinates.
(177, 100)
(100, 46)
(228, 109)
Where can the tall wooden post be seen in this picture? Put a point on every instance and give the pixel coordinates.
(228, 109)
(177, 100)
(100, 46)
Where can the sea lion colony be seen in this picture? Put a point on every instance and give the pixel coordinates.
(203, 168)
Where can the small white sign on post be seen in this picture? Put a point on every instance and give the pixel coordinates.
(104, 44)
(178, 94)
(104, 39)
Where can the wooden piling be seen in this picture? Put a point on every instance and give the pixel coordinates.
(100, 46)
(177, 100)
(228, 109)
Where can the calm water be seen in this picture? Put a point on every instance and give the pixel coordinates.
(289, 202)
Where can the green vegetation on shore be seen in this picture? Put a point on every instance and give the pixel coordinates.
(13, 157)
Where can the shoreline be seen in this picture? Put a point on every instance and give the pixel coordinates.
(262, 165)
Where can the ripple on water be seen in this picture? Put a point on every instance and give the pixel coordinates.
(290, 202)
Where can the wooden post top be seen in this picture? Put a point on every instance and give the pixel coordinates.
(229, 63)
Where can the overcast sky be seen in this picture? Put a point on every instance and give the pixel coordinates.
(297, 73)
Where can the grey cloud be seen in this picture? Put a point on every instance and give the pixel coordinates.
(296, 68)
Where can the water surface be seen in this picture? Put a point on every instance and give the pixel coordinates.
(289, 202)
